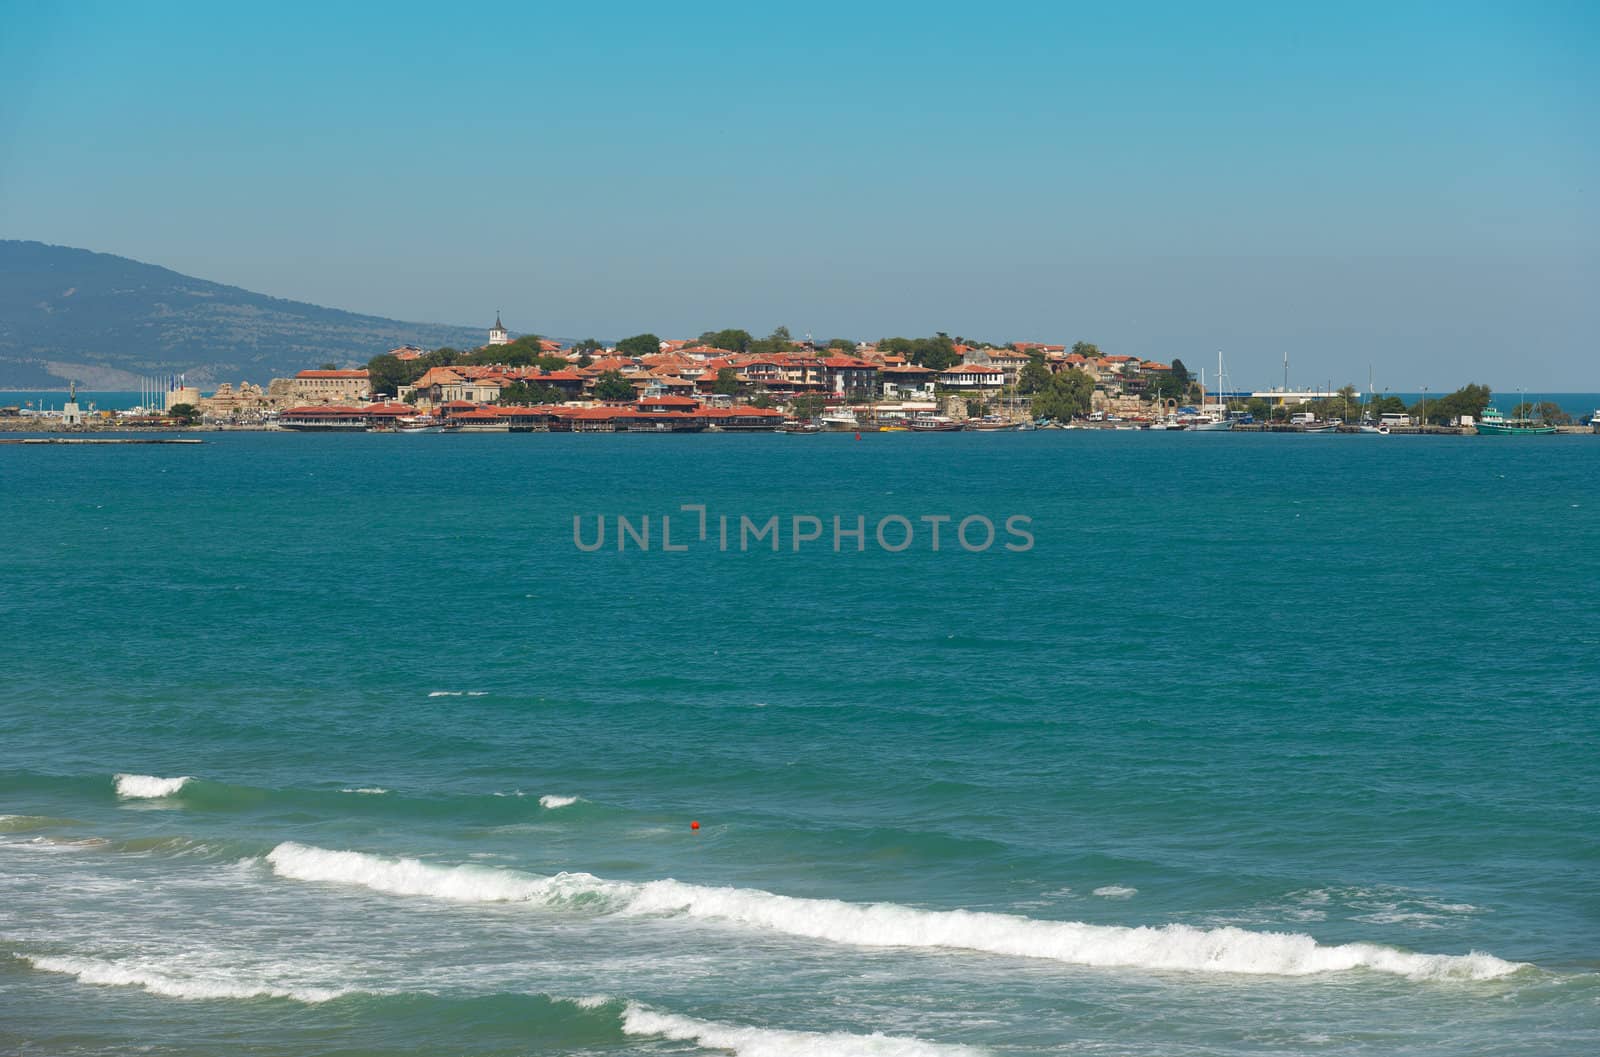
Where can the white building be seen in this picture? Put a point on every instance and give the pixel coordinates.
(497, 333)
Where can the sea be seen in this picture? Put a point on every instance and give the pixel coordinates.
(1179, 744)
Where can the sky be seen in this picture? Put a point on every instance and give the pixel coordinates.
(1401, 188)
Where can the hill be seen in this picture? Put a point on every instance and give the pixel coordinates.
(105, 321)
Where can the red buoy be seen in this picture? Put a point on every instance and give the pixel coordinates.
(858, 436)
(694, 825)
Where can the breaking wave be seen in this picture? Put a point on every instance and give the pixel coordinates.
(148, 786)
(538, 1011)
(163, 981)
(768, 1042)
(1166, 947)
(550, 802)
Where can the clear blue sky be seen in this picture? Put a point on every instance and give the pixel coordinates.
(1410, 186)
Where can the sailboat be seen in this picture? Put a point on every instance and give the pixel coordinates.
(1216, 423)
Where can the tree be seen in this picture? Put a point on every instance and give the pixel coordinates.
(530, 393)
(1385, 405)
(1180, 376)
(727, 383)
(526, 351)
(589, 345)
(388, 373)
(935, 353)
(639, 345)
(1035, 376)
(444, 356)
(809, 405)
(778, 341)
(1068, 394)
(762, 400)
(843, 345)
(186, 414)
(732, 339)
(1164, 385)
(585, 360)
(611, 385)
(1087, 349)
(1440, 410)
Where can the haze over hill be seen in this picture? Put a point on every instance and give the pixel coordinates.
(105, 321)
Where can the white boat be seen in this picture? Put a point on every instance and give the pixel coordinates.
(417, 424)
(841, 420)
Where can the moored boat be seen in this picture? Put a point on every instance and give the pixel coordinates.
(840, 420)
(1494, 424)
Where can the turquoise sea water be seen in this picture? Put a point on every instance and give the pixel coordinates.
(1269, 745)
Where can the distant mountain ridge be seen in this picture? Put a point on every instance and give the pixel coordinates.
(106, 321)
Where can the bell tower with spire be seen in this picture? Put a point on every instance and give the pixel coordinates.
(497, 333)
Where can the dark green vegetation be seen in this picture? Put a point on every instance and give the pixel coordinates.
(1067, 394)
(106, 321)
(1444, 409)
(936, 353)
(611, 385)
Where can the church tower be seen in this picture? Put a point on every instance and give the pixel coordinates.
(497, 333)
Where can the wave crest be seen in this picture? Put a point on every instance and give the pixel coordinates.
(1165, 947)
(174, 985)
(148, 786)
(769, 1042)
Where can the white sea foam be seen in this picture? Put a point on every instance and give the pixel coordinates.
(1116, 892)
(550, 802)
(413, 877)
(1183, 948)
(445, 693)
(148, 786)
(164, 981)
(372, 790)
(768, 1042)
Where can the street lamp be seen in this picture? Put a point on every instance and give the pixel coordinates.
(1424, 409)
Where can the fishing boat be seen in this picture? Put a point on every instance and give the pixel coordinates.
(1494, 424)
(417, 424)
(990, 425)
(800, 427)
